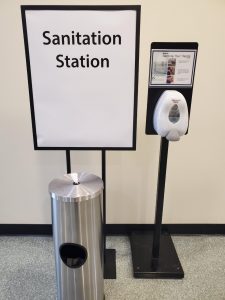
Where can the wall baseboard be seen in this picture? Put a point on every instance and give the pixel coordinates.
(25, 229)
(125, 229)
(116, 229)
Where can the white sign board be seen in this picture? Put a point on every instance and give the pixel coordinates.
(82, 64)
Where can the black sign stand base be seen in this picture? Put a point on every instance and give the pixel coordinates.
(110, 264)
(153, 253)
(166, 266)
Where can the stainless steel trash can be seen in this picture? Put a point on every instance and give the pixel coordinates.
(77, 231)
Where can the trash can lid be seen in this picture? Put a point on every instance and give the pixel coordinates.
(76, 187)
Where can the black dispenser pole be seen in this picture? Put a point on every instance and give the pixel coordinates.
(160, 197)
(153, 252)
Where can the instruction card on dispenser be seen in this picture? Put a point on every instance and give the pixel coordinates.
(172, 67)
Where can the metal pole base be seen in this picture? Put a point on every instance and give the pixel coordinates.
(110, 264)
(167, 266)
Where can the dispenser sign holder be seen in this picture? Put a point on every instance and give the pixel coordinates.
(172, 68)
(82, 68)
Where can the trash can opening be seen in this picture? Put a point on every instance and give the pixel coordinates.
(73, 255)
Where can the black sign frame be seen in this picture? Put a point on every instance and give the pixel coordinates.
(136, 8)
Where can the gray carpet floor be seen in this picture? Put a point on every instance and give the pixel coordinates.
(27, 270)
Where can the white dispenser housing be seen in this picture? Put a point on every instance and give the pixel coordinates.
(170, 118)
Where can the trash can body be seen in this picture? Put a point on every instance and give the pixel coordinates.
(78, 237)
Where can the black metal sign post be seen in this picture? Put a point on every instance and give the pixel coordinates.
(68, 162)
(109, 254)
(153, 253)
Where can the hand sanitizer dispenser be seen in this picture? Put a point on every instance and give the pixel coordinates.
(170, 118)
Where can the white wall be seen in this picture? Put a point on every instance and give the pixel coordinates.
(195, 188)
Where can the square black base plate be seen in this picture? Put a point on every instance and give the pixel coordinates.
(167, 266)
(110, 264)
